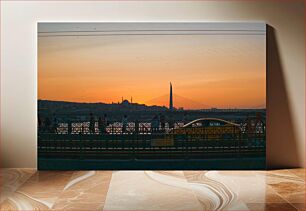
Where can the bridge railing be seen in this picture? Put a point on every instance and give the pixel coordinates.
(149, 140)
(113, 128)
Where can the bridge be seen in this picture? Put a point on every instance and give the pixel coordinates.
(145, 142)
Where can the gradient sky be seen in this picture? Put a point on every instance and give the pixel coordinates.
(223, 71)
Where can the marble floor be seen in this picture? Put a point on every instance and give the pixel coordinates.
(28, 189)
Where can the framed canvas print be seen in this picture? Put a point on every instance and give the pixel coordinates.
(151, 95)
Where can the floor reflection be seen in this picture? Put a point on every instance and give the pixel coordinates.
(27, 189)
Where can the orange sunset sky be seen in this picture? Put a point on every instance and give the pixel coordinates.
(223, 71)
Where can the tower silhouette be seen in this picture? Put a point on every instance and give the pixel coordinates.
(171, 98)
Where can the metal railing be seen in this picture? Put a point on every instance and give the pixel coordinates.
(112, 128)
(115, 140)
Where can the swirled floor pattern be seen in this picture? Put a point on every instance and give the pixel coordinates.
(28, 189)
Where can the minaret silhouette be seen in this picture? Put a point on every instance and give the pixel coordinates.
(171, 98)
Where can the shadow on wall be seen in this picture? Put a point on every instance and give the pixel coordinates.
(281, 140)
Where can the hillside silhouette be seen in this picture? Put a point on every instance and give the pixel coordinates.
(178, 101)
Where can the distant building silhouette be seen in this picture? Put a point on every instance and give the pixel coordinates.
(125, 102)
(171, 98)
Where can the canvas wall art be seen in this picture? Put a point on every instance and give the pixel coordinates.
(151, 96)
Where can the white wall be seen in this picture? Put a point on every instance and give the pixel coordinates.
(286, 79)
